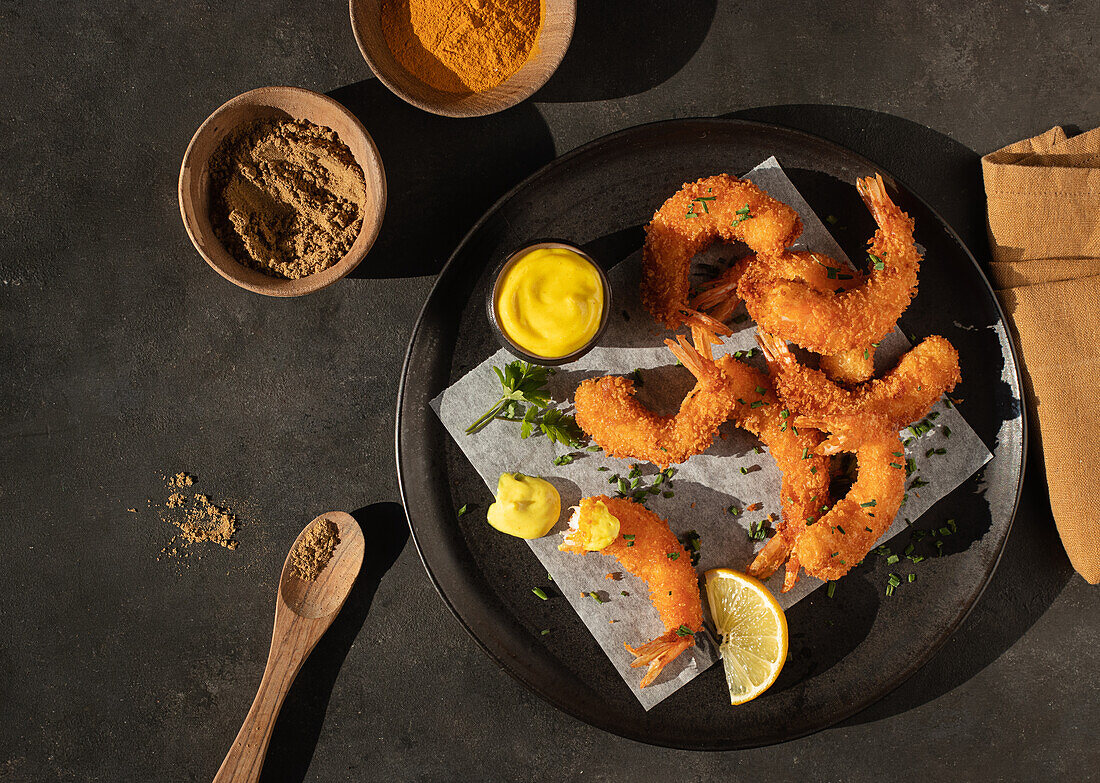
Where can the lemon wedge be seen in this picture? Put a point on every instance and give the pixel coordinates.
(753, 630)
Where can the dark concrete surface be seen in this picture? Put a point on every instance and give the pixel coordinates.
(124, 357)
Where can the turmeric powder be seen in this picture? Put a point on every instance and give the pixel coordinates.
(461, 46)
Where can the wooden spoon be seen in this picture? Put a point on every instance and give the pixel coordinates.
(303, 612)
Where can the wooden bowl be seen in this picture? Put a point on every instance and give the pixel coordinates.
(553, 40)
(291, 102)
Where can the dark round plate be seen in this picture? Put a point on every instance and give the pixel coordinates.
(845, 652)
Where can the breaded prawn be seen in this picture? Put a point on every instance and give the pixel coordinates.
(721, 207)
(832, 322)
(903, 395)
(648, 549)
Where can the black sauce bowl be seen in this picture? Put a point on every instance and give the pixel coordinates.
(494, 321)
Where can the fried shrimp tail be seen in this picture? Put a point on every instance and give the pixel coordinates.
(718, 208)
(828, 322)
(647, 548)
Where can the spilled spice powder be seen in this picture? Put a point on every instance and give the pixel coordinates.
(197, 518)
(180, 480)
(205, 521)
(314, 549)
(286, 197)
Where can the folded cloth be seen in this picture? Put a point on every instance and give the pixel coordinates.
(1043, 206)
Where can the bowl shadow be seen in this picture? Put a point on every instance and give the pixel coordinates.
(652, 42)
(444, 173)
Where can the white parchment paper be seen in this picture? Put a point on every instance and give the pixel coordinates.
(704, 487)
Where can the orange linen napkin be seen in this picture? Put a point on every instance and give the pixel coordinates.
(1044, 229)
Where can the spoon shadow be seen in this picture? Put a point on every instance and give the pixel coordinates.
(299, 725)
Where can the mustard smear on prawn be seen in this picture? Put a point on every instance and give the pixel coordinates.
(648, 549)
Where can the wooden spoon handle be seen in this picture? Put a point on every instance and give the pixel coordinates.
(246, 756)
(291, 643)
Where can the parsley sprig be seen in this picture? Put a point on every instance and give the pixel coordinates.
(525, 399)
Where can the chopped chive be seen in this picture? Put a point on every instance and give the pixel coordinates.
(758, 404)
(540, 593)
(672, 555)
(946, 431)
(462, 510)
(830, 589)
(544, 632)
(623, 592)
(667, 494)
(838, 527)
(595, 597)
(892, 559)
(744, 471)
(912, 578)
(761, 390)
(868, 504)
(805, 453)
(683, 630)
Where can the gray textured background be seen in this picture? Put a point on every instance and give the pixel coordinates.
(124, 357)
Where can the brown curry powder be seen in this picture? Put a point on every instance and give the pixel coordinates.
(286, 197)
(461, 46)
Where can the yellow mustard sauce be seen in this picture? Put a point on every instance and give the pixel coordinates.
(549, 302)
(526, 507)
(593, 526)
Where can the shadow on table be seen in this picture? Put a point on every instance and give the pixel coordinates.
(442, 173)
(1032, 572)
(937, 168)
(299, 724)
(622, 49)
